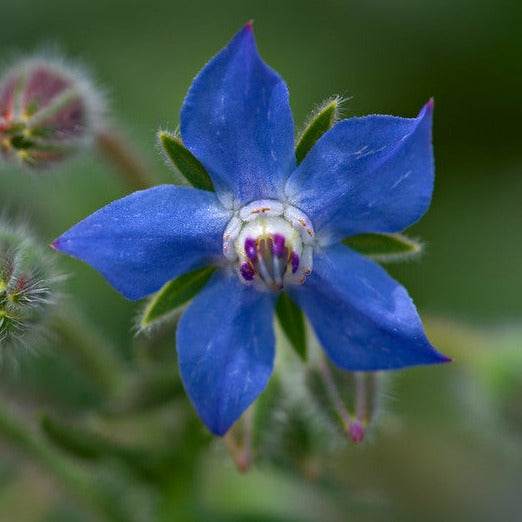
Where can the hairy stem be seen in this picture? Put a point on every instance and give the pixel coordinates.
(239, 442)
(90, 351)
(69, 475)
(127, 164)
(333, 392)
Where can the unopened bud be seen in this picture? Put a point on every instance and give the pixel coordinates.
(350, 400)
(356, 431)
(27, 289)
(47, 112)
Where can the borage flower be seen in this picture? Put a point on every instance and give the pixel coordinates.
(271, 226)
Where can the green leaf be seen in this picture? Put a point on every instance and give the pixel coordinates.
(149, 464)
(173, 295)
(187, 164)
(292, 322)
(72, 439)
(149, 389)
(322, 119)
(386, 248)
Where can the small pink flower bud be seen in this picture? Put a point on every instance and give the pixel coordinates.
(47, 112)
(356, 431)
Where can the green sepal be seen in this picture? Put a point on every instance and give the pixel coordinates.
(321, 119)
(385, 248)
(185, 162)
(291, 319)
(173, 296)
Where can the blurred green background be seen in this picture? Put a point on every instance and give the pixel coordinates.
(450, 446)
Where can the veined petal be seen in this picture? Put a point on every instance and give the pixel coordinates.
(225, 344)
(140, 242)
(370, 174)
(236, 120)
(364, 319)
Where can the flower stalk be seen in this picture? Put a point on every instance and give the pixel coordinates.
(126, 163)
(92, 353)
(351, 425)
(70, 476)
(238, 441)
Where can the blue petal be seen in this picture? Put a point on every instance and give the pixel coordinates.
(370, 174)
(364, 319)
(225, 346)
(143, 240)
(236, 120)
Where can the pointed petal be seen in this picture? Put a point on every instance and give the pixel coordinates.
(364, 319)
(236, 120)
(370, 174)
(225, 346)
(140, 242)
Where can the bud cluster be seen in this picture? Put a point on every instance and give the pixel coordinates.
(47, 112)
(27, 288)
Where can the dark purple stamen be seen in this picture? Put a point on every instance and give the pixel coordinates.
(294, 261)
(278, 245)
(251, 248)
(247, 271)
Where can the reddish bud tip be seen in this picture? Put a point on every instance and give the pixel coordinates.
(250, 25)
(356, 432)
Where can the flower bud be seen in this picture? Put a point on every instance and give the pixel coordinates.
(349, 400)
(47, 112)
(27, 289)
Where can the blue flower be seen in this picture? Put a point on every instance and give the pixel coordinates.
(271, 225)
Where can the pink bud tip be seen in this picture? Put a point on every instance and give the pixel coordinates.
(356, 432)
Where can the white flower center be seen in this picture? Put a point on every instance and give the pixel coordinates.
(271, 244)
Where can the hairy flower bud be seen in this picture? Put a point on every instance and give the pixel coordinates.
(27, 289)
(350, 400)
(47, 112)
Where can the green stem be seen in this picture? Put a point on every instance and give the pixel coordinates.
(72, 477)
(239, 441)
(125, 161)
(91, 352)
(362, 380)
(146, 390)
(333, 393)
